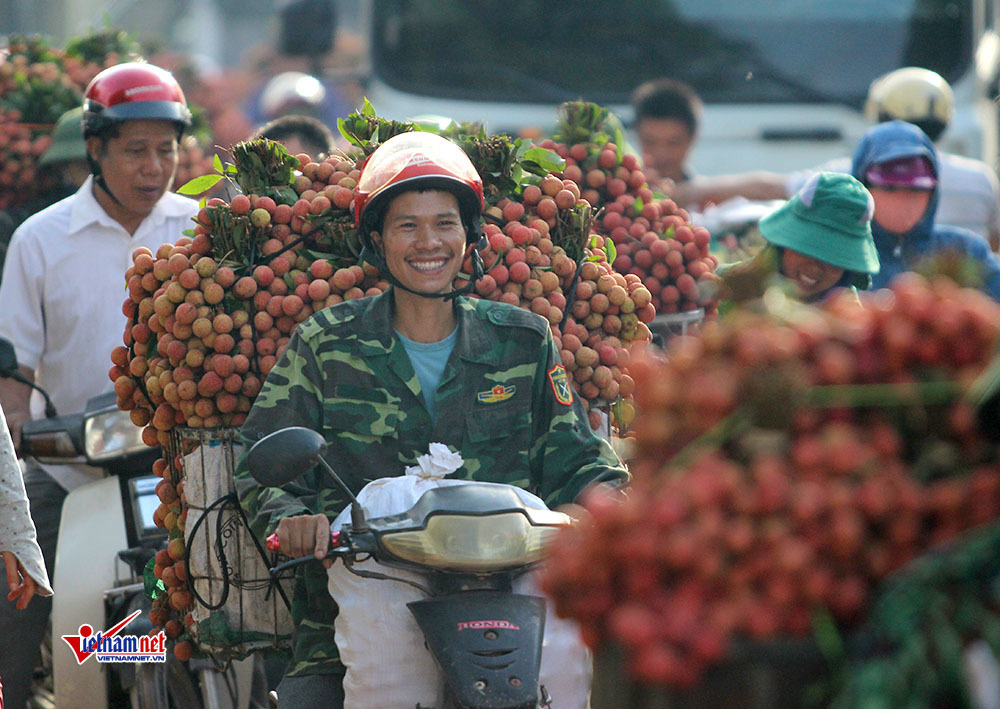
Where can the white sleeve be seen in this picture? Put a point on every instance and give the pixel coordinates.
(21, 298)
(993, 218)
(17, 531)
(797, 179)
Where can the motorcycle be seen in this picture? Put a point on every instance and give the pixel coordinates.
(464, 546)
(106, 537)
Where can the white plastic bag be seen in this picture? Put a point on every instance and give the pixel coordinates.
(388, 664)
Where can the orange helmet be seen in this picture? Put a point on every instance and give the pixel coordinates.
(417, 160)
(132, 91)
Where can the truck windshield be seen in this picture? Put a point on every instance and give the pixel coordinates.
(730, 51)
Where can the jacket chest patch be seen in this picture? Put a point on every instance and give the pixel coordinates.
(496, 394)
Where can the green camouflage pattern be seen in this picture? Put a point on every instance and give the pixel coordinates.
(346, 375)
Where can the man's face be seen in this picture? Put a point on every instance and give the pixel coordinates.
(665, 143)
(138, 165)
(423, 240)
(899, 210)
(810, 276)
(295, 145)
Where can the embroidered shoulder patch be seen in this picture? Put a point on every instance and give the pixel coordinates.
(560, 385)
(496, 394)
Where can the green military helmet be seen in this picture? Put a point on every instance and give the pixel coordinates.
(67, 140)
(830, 220)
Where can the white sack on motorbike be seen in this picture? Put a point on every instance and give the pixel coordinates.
(380, 643)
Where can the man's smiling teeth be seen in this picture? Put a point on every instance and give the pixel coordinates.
(427, 265)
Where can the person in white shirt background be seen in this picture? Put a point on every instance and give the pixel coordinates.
(667, 114)
(63, 287)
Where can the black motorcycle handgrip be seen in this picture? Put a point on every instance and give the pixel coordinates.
(334, 553)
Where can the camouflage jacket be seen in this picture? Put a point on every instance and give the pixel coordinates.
(504, 403)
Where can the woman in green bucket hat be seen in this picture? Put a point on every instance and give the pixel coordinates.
(818, 241)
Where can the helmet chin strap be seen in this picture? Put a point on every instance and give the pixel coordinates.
(376, 259)
(95, 170)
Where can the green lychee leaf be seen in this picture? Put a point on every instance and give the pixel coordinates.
(199, 184)
(544, 159)
(152, 586)
(348, 134)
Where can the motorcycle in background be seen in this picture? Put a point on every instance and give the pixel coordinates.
(106, 536)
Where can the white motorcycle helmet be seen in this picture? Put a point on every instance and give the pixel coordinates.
(913, 94)
(292, 92)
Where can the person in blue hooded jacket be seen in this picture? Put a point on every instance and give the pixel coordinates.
(898, 164)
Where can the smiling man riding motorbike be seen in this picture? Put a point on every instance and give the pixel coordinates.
(383, 377)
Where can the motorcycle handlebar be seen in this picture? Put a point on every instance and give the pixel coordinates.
(335, 551)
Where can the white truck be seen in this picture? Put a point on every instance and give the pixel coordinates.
(783, 81)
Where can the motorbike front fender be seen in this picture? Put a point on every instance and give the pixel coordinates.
(91, 531)
(488, 645)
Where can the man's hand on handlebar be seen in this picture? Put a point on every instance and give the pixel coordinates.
(303, 535)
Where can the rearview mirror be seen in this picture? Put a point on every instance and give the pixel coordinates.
(280, 457)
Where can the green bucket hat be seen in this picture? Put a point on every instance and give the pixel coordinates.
(830, 220)
(67, 140)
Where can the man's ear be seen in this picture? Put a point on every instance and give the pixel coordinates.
(377, 239)
(94, 147)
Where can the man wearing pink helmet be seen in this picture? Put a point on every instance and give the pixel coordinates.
(62, 290)
(383, 377)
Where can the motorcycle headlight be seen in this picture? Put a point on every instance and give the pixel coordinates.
(111, 434)
(471, 543)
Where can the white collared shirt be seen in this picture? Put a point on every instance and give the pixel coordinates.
(64, 284)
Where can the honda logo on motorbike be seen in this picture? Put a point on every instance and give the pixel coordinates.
(488, 625)
(109, 646)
